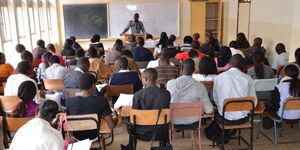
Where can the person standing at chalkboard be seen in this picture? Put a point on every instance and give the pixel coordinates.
(95, 42)
(137, 27)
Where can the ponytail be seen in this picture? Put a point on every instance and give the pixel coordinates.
(295, 87)
(19, 110)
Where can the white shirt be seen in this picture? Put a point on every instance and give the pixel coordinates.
(56, 71)
(37, 134)
(154, 64)
(201, 77)
(281, 59)
(13, 83)
(236, 51)
(150, 43)
(233, 84)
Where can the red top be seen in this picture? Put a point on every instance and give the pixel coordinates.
(185, 55)
(61, 60)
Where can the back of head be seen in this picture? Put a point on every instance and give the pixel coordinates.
(79, 53)
(297, 56)
(127, 53)
(163, 39)
(20, 48)
(47, 56)
(93, 53)
(292, 71)
(280, 48)
(207, 66)
(237, 61)
(196, 36)
(131, 38)
(163, 35)
(232, 44)
(187, 40)
(195, 45)
(241, 37)
(27, 56)
(258, 41)
(40, 43)
(173, 37)
(150, 74)
(84, 64)
(50, 47)
(95, 38)
(149, 36)
(72, 38)
(165, 53)
(27, 91)
(48, 110)
(54, 60)
(87, 81)
(188, 67)
(24, 67)
(118, 45)
(122, 63)
(140, 41)
(258, 57)
(193, 54)
(169, 43)
(68, 44)
(224, 57)
(2, 58)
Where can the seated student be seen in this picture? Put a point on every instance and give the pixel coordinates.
(207, 70)
(241, 41)
(155, 63)
(165, 70)
(125, 76)
(150, 43)
(78, 54)
(195, 57)
(249, 58)
(149, 98)
(27, 107)
(196, 37)
(232, 46)
(223, 60)
(161, 44)
(55, 70)
(131, 43)
(76, 46)
(27, 56)
(287, 89)
(86, 103)
(175, 42)
(115, 52)
(214, 42)
(185, 55)
(50, 47)
(296, 63)
(38, 133)
(140, 53)
(40, 50)
(131, 63)
(98, 65)
(68, 50)
(5, 70)
(256, 44)
(185, 89)
(170, 44)
(14, 81)
(41, 72)
(282, 58)
(187, 40)
(19, 48)
(95, 42)
(208, 48)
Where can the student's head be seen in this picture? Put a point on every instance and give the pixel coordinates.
(131, 38)
(232, 44)
(293, 72)
(149, 36)
(280, 48)
(257, 42)
(140, 41)
(2, 58)
(297, 56)
(26, 92)
(118, 45)
(207, 66)
(237, 61)
(173, 37)
(193, 54)
(165, 55)
(72, 38)
(40, 43)
(196, 36)
(50, 47)
(224, 57)
(127, 53)
(27, 56)
(48, 110)
(169, 43)
(163, 35)
(47, 56)
(68, 44)
(195, 45)
(95, 38)
(54, 60)
(188, 67)
(84, 64)
(149, 77)
(24, 67)
(20, 48)
(187, 40)
(93, 53)
(136, 17)
(162, 40)
(122, 63)
(241, 37)
(258, 57)
(87, 82)
(79, 53)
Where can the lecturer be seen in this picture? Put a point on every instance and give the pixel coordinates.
(137, 27)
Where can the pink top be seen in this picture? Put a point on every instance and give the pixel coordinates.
(61, 59)
(226, 67)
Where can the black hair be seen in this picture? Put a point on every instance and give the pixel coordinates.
(20, 48)
(207, 66)
(162, 40)
(165, 53)
(224, 57)
(79, 53)
(127, 53)
(169, 43)
(27, 56)
(257, 42)
(2, 58)
(47, 56)
(86, 81)
(297, 56)
(48, 109)
(188, 66)
(280, 48)
(132, 38)
(123, 62)
(237, 61)
(149, 36)
(195, 45)
(241, 37)
(73, 38)
(187, 40)
(40, 43)
(293, 72)
(68, 44)
(150, 74)
(93, 53)
(173, 37)
(140, 41)
(54, 59)
(50, 47)
(118, 45)
(232, 44)
(196, 36)
(83, 63)
(193, 54)
(258, 57)
(95, 38)
(24, 67)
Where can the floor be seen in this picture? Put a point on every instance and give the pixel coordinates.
(121, 137)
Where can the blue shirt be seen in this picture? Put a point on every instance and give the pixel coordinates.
(142, 54)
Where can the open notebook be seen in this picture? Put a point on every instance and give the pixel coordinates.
(81, 145)
(123, 100)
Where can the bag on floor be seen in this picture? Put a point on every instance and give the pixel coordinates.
(214, 133)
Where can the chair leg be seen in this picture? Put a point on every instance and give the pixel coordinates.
(260, 127)
(199, 139)
(251, 136)
(239, 139)
(182, 131)
(275, 135)
(222, 148)
(192, 137)
(281, 129)
(103, 143)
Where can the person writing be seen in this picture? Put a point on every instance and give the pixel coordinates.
(137, 27)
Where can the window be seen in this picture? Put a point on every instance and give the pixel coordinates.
(20, 22)
(5, 23)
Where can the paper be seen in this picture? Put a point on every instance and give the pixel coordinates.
(100, 86)
(123, 100)
(81, 145)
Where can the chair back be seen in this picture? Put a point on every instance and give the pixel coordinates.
(142, 64)
(239, 104)
(265, 84)
(292, 103)
(14, 124)
(116, 90)
(194, 109)
(209, 85)
(82, 122)
(69, 93)
(53, 84)
(9, 103)
(149, 117)
(125, 111)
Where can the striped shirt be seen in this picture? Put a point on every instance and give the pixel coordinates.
(166, 73)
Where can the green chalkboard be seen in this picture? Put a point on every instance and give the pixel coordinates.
(83, 21)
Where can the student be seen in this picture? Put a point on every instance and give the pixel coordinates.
(256, 44)
(282, 58)
(162, 43)
(174, 51)
(140, 53)
(20, 48)
(131, 43)
(207, 70)
(50, 48)
(5, 70)
(223, 60)
(75, 45)
(86, 103)
(98, 65)
(115, 52)
(68, 50)
(150, 43)
(149, 98)
(131, 63)
(78, 54)
(38, 133)
(175, 42)
(185, 55)
(41, 72)
(196, 37)
(40, 50)
(213, 41)
(232, 46)
(187, 40)
(185, 89)
(249, 58)
(95, 42)
(155, 63)
(27, 56)
(27, 107)
(55, 70)
(208, 47)
(241, 41)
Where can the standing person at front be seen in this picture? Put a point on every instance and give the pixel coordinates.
(137, 27)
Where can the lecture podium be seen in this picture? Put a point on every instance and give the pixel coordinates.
(136, 36)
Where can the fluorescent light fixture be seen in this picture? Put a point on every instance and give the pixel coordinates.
(131, 7)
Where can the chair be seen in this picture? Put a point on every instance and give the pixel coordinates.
(209, 85)
(142, 64)
(36, 62)
(238, 104)
(69, 93)
(104, 129)
(116, 90)
(194, 109)
(9, 103)
(289, 104)
(53, 84)
(147, 118)
(265, 85)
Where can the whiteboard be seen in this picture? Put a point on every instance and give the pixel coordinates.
(157, 16)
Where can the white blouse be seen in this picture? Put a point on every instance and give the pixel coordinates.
(201, 77)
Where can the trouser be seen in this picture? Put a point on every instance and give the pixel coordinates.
(219, 118)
